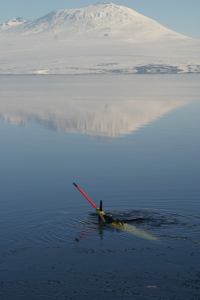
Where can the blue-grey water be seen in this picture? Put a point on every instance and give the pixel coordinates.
(132, 141)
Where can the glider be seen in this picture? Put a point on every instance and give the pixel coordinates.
(109, 220)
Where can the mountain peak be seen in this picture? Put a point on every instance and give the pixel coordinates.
(98, 16)
(102, 3)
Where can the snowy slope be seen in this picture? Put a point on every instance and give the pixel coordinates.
(101, 38)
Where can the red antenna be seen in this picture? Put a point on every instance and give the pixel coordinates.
(85, 195)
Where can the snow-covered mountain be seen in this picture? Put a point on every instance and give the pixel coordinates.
(106, 16)
(100, 38)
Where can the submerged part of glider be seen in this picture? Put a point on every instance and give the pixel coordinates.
(138, 232)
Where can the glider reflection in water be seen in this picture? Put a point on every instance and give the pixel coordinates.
(109, 220)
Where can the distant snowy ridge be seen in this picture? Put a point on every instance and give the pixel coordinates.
(13, 22)
(99, 39)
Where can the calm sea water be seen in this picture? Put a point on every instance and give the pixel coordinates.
(132, 141)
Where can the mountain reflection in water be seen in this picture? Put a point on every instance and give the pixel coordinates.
(90, 105)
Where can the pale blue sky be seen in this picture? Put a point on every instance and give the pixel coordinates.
(182, 16)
